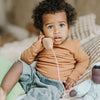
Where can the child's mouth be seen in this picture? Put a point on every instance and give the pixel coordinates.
(57, 39)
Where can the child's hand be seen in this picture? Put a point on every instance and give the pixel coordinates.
(69, 83)
(40, 38)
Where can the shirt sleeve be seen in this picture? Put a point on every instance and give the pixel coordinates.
(29, 54)
(82, 61)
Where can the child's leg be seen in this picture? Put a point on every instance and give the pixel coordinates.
(2, 94)
(10, 79)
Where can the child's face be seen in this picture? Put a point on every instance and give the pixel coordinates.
(55, 26)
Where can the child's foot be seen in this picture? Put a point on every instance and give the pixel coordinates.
(2, 94)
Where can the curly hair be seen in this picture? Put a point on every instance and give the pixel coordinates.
(53, 6)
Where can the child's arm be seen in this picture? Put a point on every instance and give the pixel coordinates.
(30, 54)
(82, 61)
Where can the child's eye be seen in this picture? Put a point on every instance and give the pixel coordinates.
(50, 27)
(61, 25)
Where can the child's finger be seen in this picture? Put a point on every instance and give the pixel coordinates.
(73, 84)
(70, 85)
(41, 32)
(41, 36)
(67, 85)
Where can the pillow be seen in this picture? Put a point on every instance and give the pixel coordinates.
(92, 48)
(17, 90)
(83, 28)
(10, 52)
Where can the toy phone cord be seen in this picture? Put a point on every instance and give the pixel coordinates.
(59, 73)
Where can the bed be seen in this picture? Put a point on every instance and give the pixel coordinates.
(85, 30)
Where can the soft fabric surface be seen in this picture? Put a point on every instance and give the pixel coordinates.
(84, 27)
(12, 51)
(92, 47)
(5, 65)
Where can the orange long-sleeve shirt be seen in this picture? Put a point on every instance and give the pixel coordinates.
(73, 61)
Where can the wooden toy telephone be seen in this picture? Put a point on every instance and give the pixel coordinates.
(48, 43)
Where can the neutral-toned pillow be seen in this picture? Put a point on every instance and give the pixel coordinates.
(92, 48)
(12, 51)
(83, 28)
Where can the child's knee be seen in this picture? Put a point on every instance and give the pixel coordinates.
(18, 66)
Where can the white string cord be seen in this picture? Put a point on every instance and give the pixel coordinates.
(58, 72)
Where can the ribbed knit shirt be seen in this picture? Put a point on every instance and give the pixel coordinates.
(72, 60)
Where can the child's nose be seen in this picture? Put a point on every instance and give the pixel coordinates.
(56, 30)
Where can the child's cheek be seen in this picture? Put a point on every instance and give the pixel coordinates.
(49, 33)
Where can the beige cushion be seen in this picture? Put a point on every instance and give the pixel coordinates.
(84, 27)
(12, 51)
(92, 48)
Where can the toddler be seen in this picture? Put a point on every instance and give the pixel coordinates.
(53, 18)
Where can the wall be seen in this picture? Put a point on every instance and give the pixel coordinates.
(23, 9)
(88, 6)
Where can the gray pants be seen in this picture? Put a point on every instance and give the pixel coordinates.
(37, 86)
